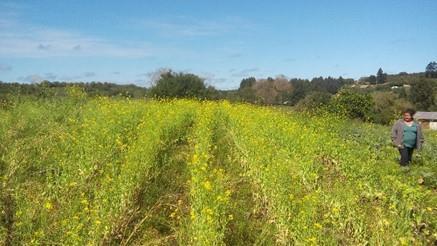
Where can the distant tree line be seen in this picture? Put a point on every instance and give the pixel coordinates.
(50, 89)
(281, 91)
(379, 78)
(378, 98)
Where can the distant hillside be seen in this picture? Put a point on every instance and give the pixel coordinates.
(393, 82)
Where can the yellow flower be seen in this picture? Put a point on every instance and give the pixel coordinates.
(228, 193)
(318, 226)
(195, 158)
(207, 211)
(312, 240)
(48, 205)
(403, 241)
(207, 185)
(173, 214)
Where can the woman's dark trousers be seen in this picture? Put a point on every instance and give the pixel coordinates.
(406, 155)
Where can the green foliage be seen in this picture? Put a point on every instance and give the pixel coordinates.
(381, 77)
(246, 92)
(287, 92)
(422, 94)
(179, 85)
(387, 107)
(300, 89)
(47, 89)
(76, 93)
(247, 82)
(329, 84)
(431, 70)
(353, 105)
(372, 79)
(314, 101)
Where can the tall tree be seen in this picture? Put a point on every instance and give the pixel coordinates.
(381, 77)
(247, 82)
(431, 70)
(246, 91)
(301, 87)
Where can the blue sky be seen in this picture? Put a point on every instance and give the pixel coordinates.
(221, 41)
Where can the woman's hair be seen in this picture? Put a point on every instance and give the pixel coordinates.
(410, 111)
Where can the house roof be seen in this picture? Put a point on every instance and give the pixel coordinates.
(420, 115)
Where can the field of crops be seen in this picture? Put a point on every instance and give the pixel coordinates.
(103, 171)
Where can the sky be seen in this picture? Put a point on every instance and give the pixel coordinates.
(221, 41)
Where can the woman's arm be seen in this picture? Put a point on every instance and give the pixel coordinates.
(420, 132)
(394, 134)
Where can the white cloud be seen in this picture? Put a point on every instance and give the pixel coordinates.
(20, 40)
(35, 78)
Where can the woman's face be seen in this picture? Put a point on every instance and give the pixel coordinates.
(407, 117)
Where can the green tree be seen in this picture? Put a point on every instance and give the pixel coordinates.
(387, 106)
(372, 79)
(300, 89)
(179, 85)
(422, 94)
(381, 77)
(352, 104)
(431, 70)
(246, 91)
(247, 82)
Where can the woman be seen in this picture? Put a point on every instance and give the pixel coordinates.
(407, 135)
